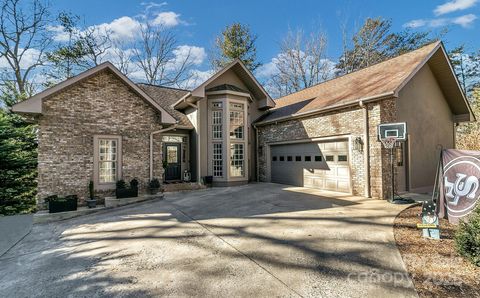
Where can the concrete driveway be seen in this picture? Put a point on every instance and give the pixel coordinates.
(253, 240)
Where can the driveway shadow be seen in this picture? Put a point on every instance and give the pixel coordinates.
(253, 200)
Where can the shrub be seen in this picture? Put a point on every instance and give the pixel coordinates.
(121, 184)
(91, 190)
(154, 183)
(467, 237)
(18, 164)
(134, 183)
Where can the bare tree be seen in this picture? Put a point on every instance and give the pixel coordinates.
(370, 45)
(374, 42)
(302, 62)
(121, 55)
(156, 55)
(23, 36)
(96, 42)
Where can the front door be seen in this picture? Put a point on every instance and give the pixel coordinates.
(172, 161)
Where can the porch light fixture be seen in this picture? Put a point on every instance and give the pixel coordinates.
(358, 144)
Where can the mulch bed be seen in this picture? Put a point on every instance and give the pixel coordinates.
(435, 267)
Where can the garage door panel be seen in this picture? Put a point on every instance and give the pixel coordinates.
(343, 186)
(306, 164)
(343, 171)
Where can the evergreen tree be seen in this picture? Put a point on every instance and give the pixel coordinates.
(236, 41)
(18, 164)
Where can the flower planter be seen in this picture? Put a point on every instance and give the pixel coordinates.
(154, 191)
(62, 204)
(126, 192)
(92, 203)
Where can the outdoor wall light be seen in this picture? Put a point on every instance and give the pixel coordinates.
(358, 144)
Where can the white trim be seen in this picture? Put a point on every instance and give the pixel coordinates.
(229, 92)
(96, 160)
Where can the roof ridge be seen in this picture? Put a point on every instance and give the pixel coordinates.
(161, 86)
(361, 69)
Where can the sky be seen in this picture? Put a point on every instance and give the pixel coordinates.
(196, 23)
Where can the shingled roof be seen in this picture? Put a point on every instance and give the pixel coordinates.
(381, 80)
(166, 97)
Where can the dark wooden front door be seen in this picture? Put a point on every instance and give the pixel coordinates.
(172, 159)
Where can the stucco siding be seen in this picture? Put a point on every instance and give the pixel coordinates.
(423, 106)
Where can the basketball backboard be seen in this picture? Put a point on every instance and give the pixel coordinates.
(396, 130)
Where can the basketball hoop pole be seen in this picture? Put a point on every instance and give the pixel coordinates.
(392, 197)
(389, 143)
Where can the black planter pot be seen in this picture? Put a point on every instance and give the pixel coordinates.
(62, 205)
(126, 192)
(91, 203)
(154, 191)
(208, 180)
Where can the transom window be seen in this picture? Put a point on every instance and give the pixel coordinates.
(236, 106)
(217, 160)
(107, 160)
(217, 124)
(174, 139)
(237, 160)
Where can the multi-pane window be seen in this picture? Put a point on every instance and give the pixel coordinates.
(236, 160)
(217, 160)
(236, 121)
(217, 124)
(107, 160)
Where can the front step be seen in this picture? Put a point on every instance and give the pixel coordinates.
(181, 186)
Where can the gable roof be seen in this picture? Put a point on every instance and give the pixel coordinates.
(33, 105)
(239, 68)
(165, 97)
(379, 81)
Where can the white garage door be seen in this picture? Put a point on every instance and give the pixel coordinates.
(322, 165)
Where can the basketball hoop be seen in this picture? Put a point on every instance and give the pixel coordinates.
(389, 142)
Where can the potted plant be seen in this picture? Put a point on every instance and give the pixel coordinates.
(61, 204)
(134, 184)
(122, 191)
(154, 186)
(92, 200)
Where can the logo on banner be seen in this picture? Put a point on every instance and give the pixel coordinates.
(462, 185)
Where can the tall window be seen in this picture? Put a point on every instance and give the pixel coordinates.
(217, 160)
(236, 121)
(107, 160)
(236, 160)
(217, 120)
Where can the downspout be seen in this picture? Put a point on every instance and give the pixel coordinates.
(257, 167)
(366, 150)
(151, 145)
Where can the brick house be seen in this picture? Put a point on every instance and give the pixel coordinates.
(100, 126)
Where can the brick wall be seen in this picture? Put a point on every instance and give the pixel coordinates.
(343, 122)
(101, 104)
